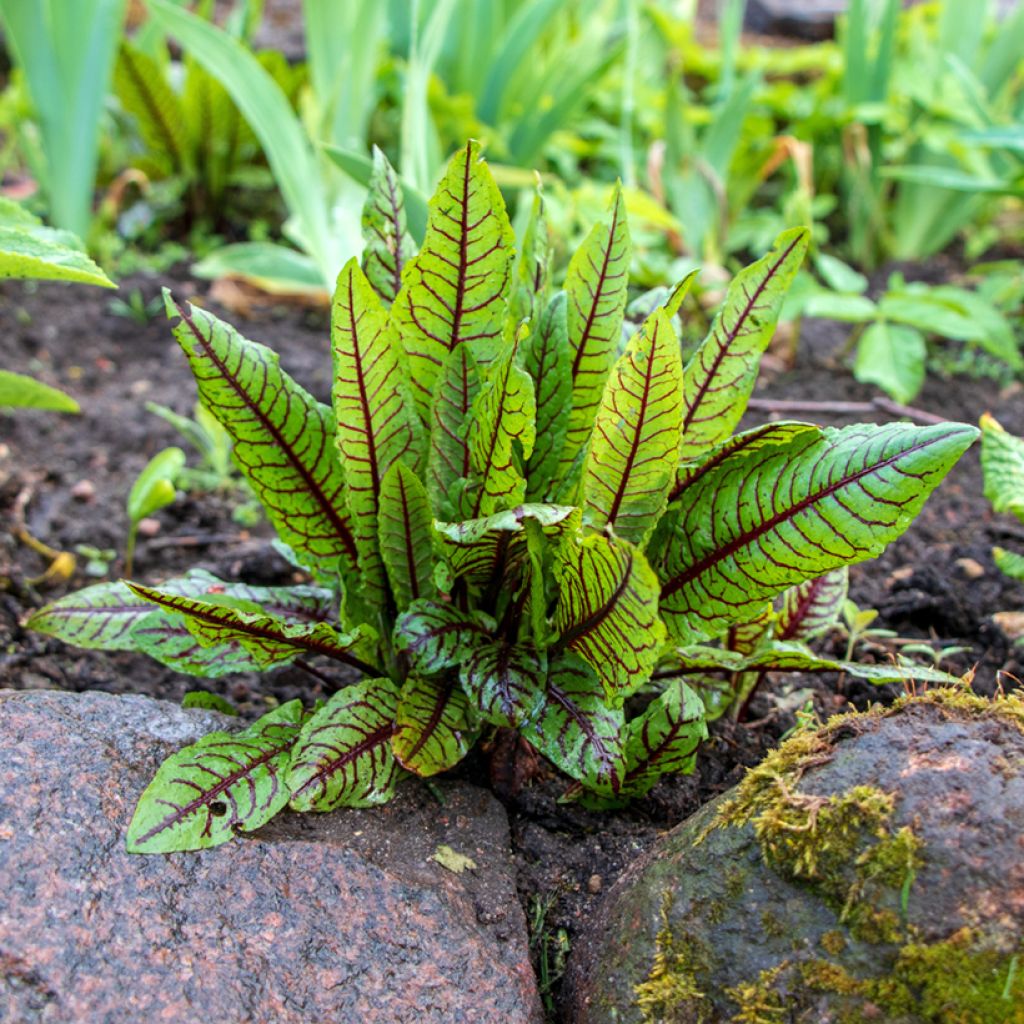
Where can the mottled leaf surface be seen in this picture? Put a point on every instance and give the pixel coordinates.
(753, 526)
(225, 783)
(1002, 461)
(343, 756)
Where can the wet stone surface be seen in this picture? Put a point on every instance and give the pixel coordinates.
(341, 917)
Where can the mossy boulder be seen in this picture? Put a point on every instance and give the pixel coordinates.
(870, 870)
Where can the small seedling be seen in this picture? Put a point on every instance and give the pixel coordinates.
(154, 489)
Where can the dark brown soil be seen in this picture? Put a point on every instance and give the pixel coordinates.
(922, 586)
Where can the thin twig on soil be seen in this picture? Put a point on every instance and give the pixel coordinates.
(886, 405)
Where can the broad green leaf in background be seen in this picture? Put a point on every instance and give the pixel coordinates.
(596, 284)
(404, 534)
(388, 245)
(224, 784)
(20, 392)
(719, 378)
(506, 682)
(456, 288)
(284, 440)
(789, 513)
(893, 357)
(575, 727)
(434, 725)
(632, 458)
(374, 421)
(607, 613)
(343, 756)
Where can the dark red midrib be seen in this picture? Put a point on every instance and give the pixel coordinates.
(221, 787)
(373, 739)
(481, 493)
(589, 624)
(677, 582)
(657, 751)
(592, 315)
(731, 336)
(154, 109)
(801, 611)
(463, 253)
(556, 693)
(715, 460)
(620, 492)
(396, 225)
(428, 730)
(167, 601)
(357, 356)
(410, 555)
(314, 488)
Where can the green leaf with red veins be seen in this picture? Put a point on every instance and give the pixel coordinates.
(388, 244)
(405, 528)
(436, 636)
(506, 682)
(576, 729)
(448, 460)
(718, 380)
(343, 756)
(746, 637)
(756, 525)
(664, 739)
(375, 424)
(1002, 462)
(501, 435)
(224, 784)
(283, 439)
(812, 607)
(607, 613)
(434, 727)
(264, 640)
(547, 358)
(633, 454)
(597, 285)
(456, 289)
(476, 548)
(532, 277)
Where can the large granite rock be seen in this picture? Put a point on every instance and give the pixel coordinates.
(328, 918)
(872, 871)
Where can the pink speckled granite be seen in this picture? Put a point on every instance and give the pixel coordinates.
(332, 918)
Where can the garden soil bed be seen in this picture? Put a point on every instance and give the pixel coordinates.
(71, 475)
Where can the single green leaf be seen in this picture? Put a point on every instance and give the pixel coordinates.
(764, 521)
(506, 682)
(389, 246)
(632, 458)
(343, 757)
(374, 421)
(207, 701)
(576, 729)
(274, 269)
(434, 726)
(1002, 463)
(405, 531)
(448, 459)
(839, 276)
(284, 440)
(854, 309)
(718, 379)
(268, 640)
(596, 284)
(436, 636)
(30, 251)
(226, 783)
(20, 392)
(812, 607)
(893, 357)
(607, 613)
(501, 435)
(455, 289)
(664, 739)
(547, 358)
(154, 486)
(533, 266)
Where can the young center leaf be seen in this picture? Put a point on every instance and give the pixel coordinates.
(374, 421)
(283, 439)
(225, 783)
(405, 528)
(434, 726)
(532, 276)
(388, 244)
(607, 613)
(718, 379)
(788, 513)
(343, 756)
(456, 288)
(597, 284)
(448, 458)
(632, 458)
